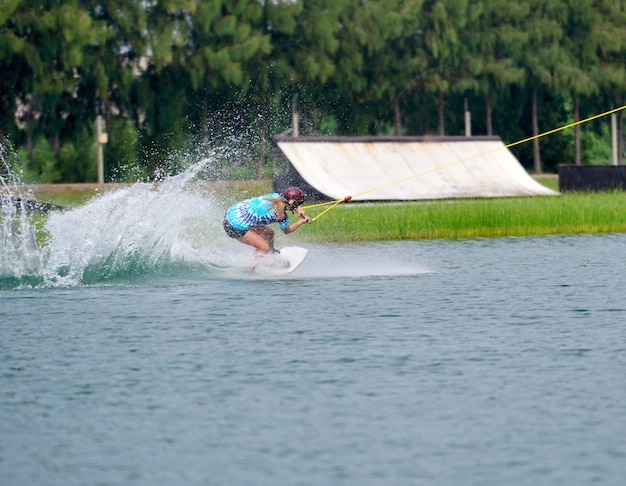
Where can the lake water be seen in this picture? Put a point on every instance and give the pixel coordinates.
(129, 356)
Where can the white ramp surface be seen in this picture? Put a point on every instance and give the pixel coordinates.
(409, 168)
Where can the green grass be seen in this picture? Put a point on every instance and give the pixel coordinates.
(66, 195)
(469, 218)
(460, 218)
(551, 181)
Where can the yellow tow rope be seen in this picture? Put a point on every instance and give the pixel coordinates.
(333, 204)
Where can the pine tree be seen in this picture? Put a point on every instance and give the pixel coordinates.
(380, 56)
(444, 21)
(13, 51)
(493, 40)
(540, 60)
(49, 45)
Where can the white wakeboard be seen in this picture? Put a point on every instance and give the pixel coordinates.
(275, 265)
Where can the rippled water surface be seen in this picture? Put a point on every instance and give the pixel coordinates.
(495, 361)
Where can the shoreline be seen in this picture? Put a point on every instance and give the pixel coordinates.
(567, 213)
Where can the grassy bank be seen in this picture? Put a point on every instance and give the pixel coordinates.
(462, 218)
(573, 213)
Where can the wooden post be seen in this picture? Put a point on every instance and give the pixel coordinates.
(295, 118)
(101, 139)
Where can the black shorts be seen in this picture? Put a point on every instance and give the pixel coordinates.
(233, 232)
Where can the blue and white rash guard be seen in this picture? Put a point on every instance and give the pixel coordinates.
(257, 211)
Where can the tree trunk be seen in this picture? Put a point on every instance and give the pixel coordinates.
(28, 142)
(467, 116)
(205, 126)
(442, 129)
(620, 144)
(536, 153)
(56, 144)
(108, 118)
(577, 133)
(489, 121)
(397, 121)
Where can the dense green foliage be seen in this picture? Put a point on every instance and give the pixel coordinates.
(174, 77)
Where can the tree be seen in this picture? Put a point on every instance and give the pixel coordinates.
(228, 39)
(115, 75)
(160, 71)
(575, 74)
(379, 56)
(49, 42)
(443, 23)
(493, 39)
(544, 52)
(13, 51)
(605, 49)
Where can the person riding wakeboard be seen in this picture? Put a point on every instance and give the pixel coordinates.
(247, 221)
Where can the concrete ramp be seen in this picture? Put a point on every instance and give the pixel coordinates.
(404, 168)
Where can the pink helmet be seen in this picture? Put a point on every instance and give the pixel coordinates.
(294, 196)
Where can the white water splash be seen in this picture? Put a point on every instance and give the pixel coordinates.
(19, 254)
(151, 231)
(137, 231)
